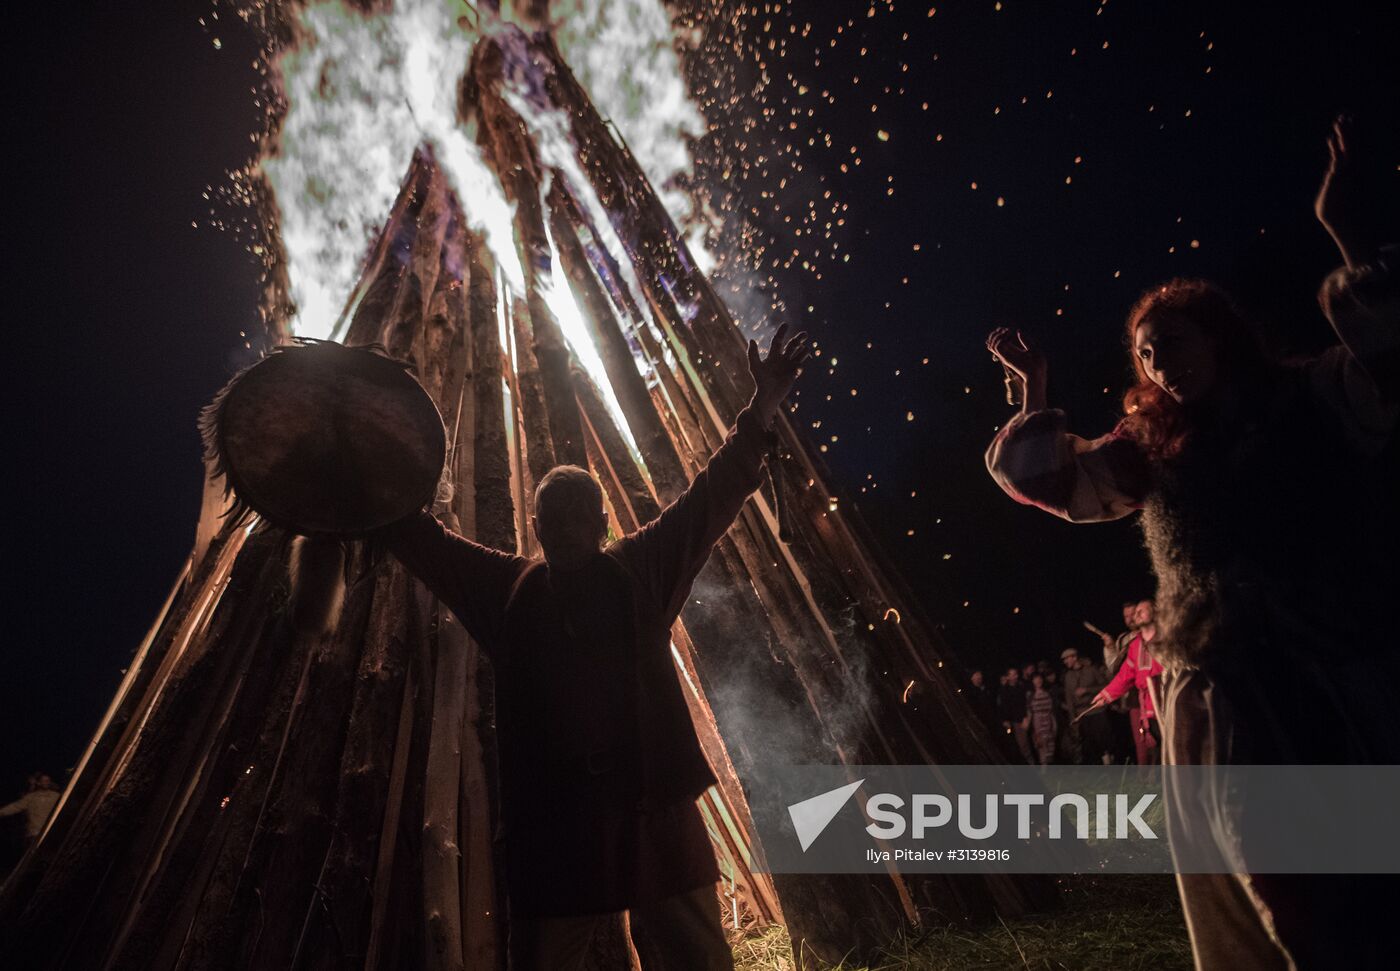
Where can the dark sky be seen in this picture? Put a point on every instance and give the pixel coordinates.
(129, 317)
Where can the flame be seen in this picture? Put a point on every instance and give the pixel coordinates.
(624, 54)
(363, 91)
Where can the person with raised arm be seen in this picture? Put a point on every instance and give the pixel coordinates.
(1267, 499)
(600, 763)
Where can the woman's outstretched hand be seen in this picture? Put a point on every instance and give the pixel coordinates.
(775, 373)
(1011, 349)
(1340, 205)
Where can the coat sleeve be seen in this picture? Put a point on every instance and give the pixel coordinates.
(1037, 462)
(473, 580)
(1360, 377)
(1124, 679)
(667, 553)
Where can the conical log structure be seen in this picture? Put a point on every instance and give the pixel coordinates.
(260, 799)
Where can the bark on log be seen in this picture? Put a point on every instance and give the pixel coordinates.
(220, 797)
(673, 399)
(530, 397)
(493, 516)
(442, 857)
(335, 919)
(495, 506)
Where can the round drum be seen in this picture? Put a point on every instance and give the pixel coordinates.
(323, 439)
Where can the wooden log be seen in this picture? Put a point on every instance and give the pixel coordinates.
(445, 350)
(643, 228)
(138, 691)
(674, 400)
(520, 481)
(495, 507)
(335, 918)
(289, 845)
(482, 894)
(169, 917)
(442, 857)
(79, 898)
(653, 441)
(246, 810)
(504, 137)
(485, 506)
(826, 915)
(388, 831)
(404, 938)
(627, 488)
(180, 855)
(371, 301)
(530, 397)
(429, 261)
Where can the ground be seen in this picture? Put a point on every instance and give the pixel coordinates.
(1115, 923)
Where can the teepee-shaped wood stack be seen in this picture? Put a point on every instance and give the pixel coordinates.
(260, 799)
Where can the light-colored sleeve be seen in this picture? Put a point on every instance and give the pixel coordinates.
(1037, 462)
(1360, 377)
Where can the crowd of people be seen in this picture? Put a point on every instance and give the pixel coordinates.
(1084, 712)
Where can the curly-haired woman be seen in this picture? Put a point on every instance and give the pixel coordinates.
(1267, 500)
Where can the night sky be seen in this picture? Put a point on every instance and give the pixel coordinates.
(1111, 146)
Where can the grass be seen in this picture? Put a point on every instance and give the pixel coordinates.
(1114, 923)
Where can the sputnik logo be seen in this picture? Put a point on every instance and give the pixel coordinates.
(811, 816)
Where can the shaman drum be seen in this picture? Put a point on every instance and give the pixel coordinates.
(326, 440)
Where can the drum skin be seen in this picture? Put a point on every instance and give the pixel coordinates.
(326, 440)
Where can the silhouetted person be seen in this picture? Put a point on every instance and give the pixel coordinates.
(1090, 734)
(983, 700)
(1042, 719)
(600, 764)
(1011, 707)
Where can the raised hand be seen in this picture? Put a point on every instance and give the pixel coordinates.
(775, 373)
(1341, 204)
(1012, 350)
